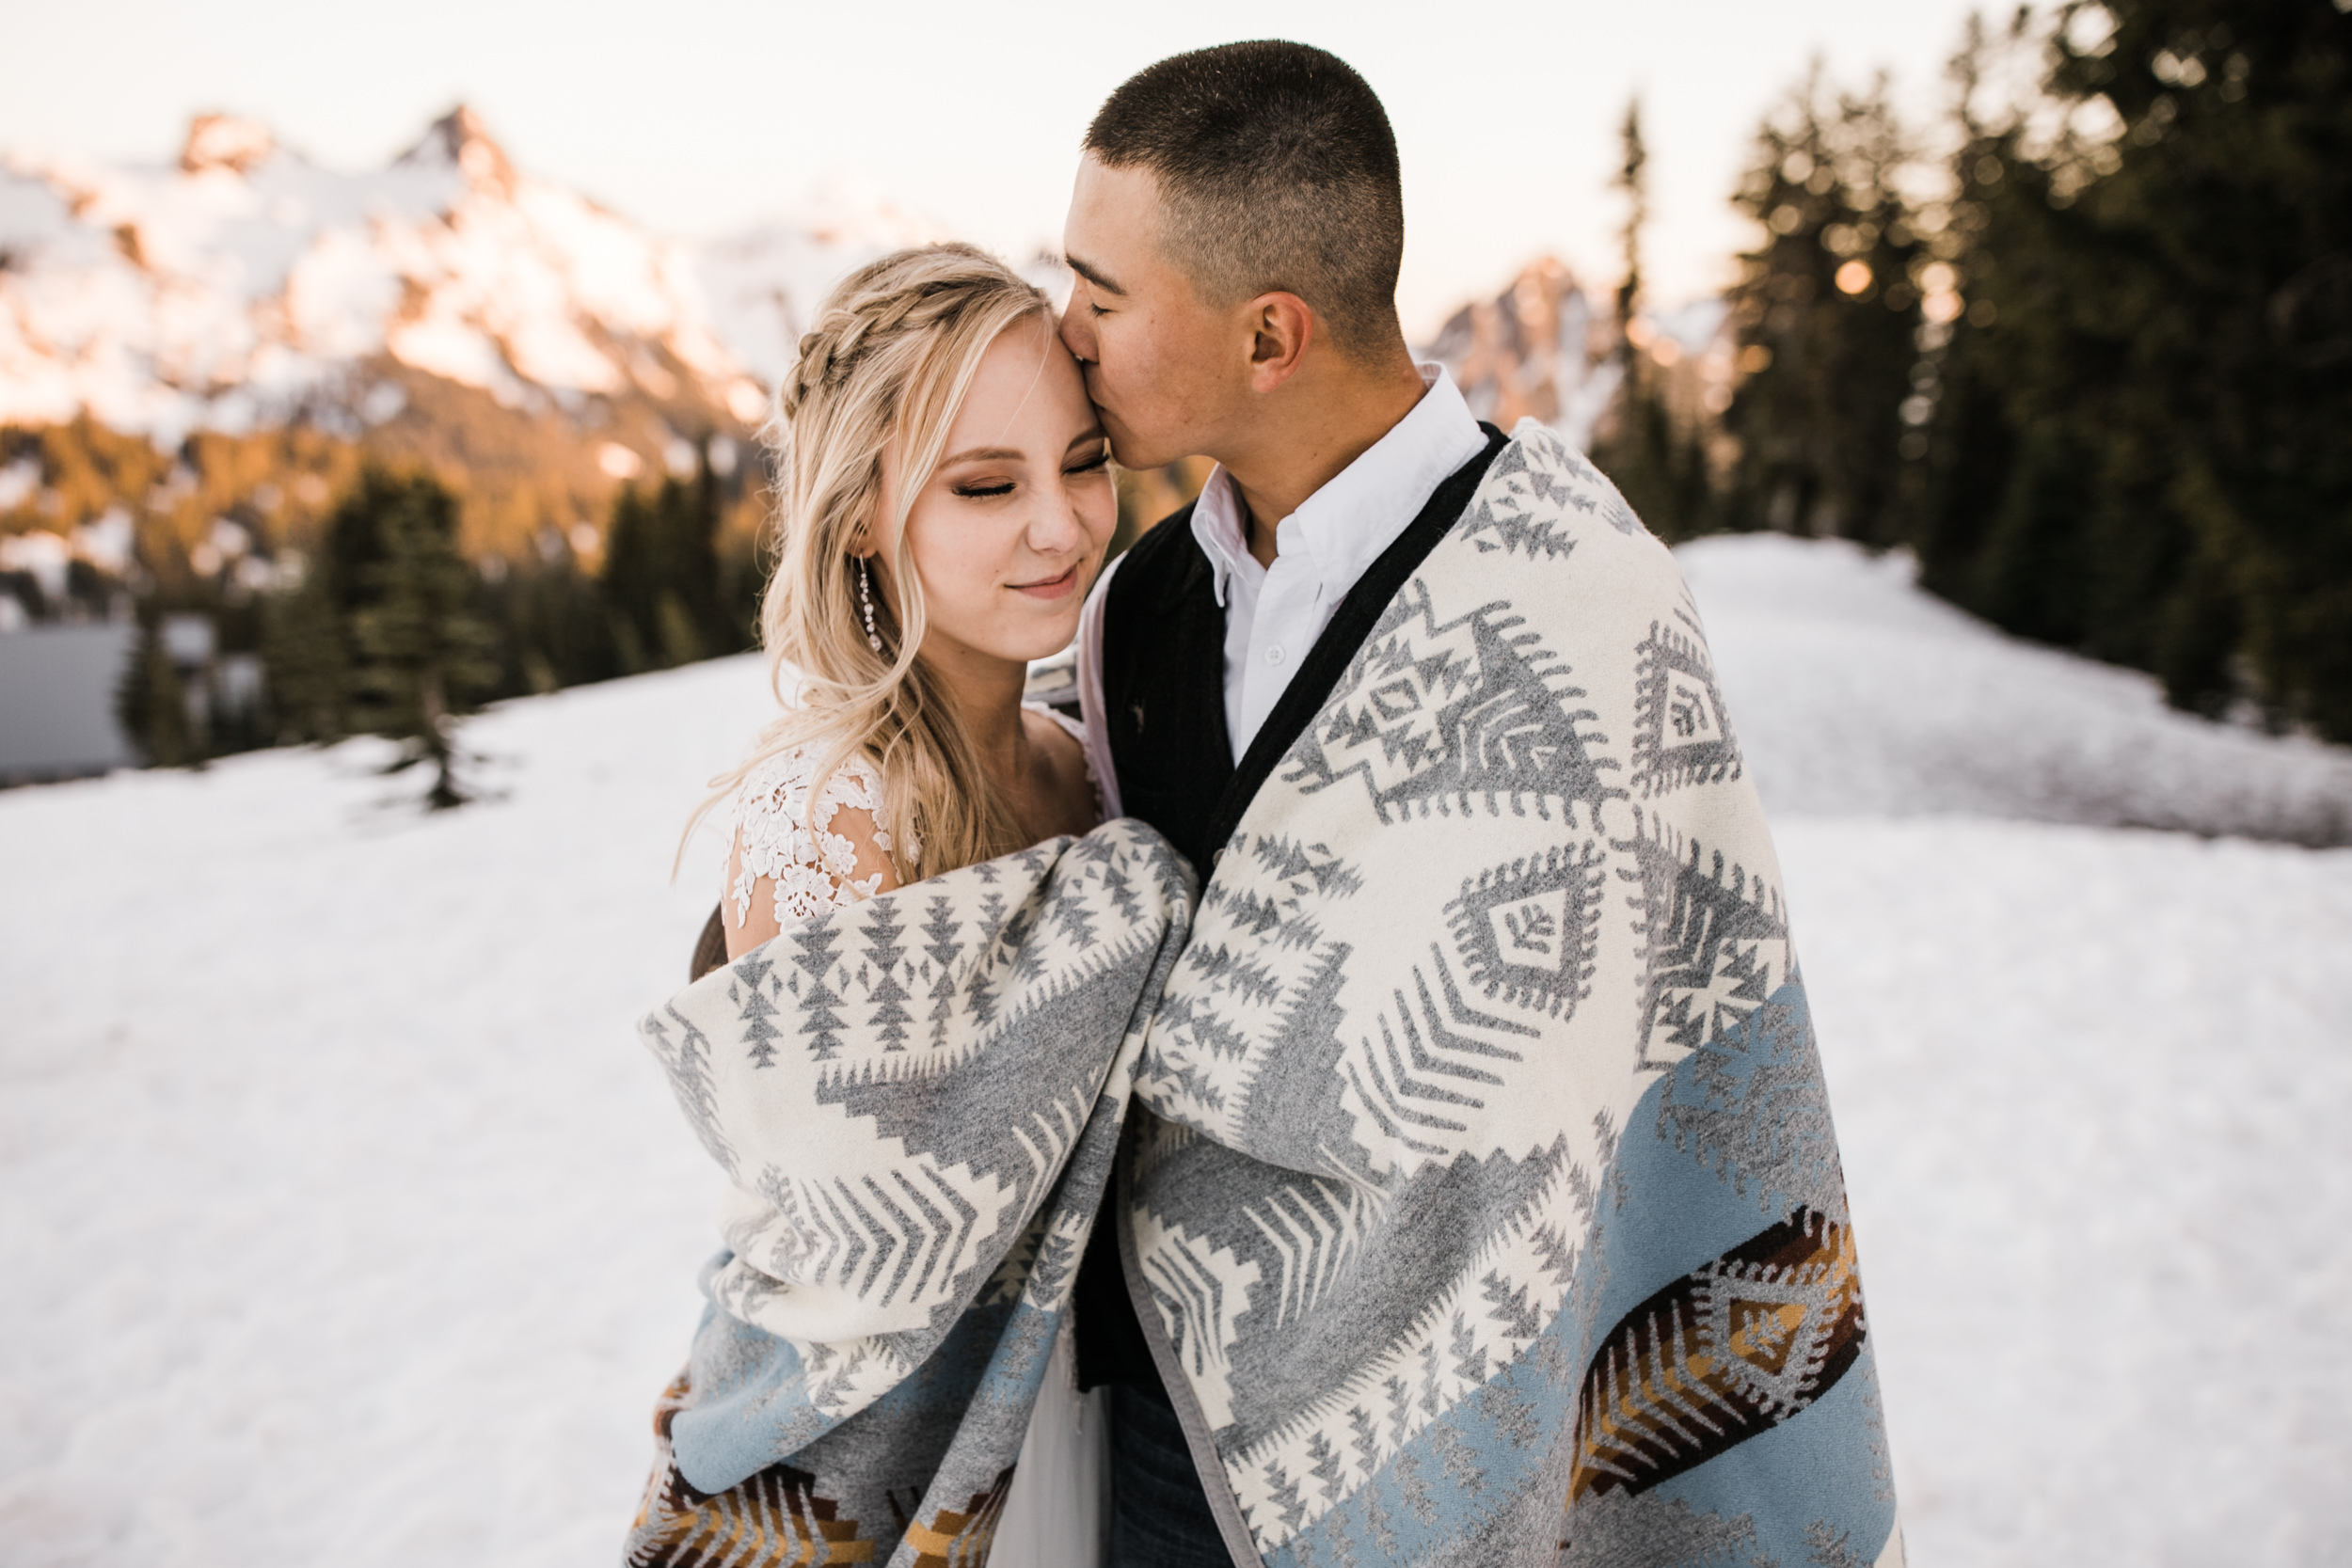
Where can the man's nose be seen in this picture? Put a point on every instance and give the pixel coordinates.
(1077, 334)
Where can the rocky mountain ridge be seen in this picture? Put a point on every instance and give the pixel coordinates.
(229, 335)
(234, 332)
(245, 286)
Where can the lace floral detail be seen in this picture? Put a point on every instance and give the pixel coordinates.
(811, 868)
(781, 837)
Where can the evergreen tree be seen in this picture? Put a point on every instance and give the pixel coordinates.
(310, 641)
(556, 629)
(423, 650)
(2004, 525)
(306, 649)
(1662, 469)
(631, 580)
(1633, 180)
(2138, 438)
(661, 572)
(152, 704)
(1825, 312)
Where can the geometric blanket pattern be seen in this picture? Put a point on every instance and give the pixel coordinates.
(1484, 1194)
(917, 1101)
(1480, 1195)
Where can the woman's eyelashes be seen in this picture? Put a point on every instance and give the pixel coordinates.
(996, 489)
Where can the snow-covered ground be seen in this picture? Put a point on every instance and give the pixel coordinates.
(1855, 694)
(343, 1220)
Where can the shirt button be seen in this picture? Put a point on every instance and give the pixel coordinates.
(1274, 656)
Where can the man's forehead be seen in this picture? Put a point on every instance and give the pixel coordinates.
(1110, 204)
(1114, 222)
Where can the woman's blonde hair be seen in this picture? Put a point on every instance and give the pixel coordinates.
(886, 367)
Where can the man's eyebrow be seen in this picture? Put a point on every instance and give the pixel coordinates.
(1093, 275)
(985, 454)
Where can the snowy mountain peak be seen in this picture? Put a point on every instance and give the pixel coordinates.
(1547, 348)
(226, 142)
(459, 140)
(246, 287)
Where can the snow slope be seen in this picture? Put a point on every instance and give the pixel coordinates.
(2090, 1088)
(1854, 692)
(343, 1220)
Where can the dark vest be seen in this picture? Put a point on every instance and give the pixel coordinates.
(1164, 708)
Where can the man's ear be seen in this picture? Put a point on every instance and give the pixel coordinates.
(1282, 326)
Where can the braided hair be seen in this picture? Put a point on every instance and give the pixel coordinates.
(880, 377)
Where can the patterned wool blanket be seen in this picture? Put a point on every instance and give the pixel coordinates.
(917, 1101)
(1482, 1167)
(1487, 1164)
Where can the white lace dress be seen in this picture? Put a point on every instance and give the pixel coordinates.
(783, 842)
(789, 855)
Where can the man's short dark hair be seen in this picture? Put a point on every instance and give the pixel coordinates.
(1278, 170)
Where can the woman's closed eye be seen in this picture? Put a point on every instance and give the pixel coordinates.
(1094, 465)
(984, 489)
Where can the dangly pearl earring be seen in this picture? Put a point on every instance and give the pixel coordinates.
(866, 602)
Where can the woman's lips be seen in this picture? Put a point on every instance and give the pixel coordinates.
(1052, 588)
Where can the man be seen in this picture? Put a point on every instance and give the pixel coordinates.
(1481, 1167)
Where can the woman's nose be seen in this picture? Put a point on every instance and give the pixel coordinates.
(1059, 524)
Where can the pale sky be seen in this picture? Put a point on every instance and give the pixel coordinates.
(701, 117)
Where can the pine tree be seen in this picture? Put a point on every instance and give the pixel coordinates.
(1825, 312)
(2138, 438)
(661, 572)
(629, 579)
(310, 641)
(152, 704)
(557, 629)
(2010, 522)
(1660, 470)
(423, 649)
(306, 649)
(693, 509)
(1633, 180)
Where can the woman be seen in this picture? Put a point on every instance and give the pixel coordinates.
(949, 500)
(945, 501)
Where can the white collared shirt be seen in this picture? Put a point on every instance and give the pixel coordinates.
(1274, 614)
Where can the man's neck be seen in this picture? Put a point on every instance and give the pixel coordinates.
(1321, 424)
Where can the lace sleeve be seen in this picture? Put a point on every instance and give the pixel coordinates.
(793, 859)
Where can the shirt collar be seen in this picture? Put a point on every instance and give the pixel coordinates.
(1343, 527)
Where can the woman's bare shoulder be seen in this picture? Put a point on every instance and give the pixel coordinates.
(1062, 743)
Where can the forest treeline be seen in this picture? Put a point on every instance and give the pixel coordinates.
(388, 629)
(2085, 345)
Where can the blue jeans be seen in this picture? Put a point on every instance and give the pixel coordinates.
(1160, 1515)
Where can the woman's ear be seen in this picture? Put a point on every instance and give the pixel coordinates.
(1282, 326)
